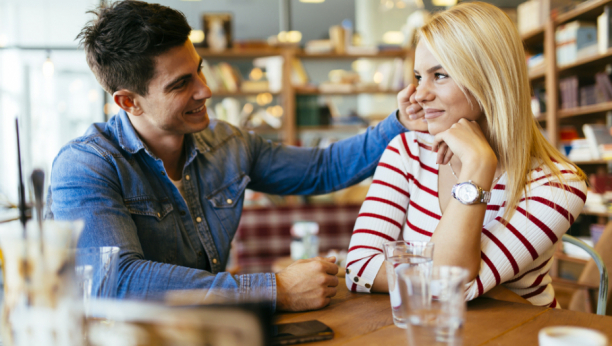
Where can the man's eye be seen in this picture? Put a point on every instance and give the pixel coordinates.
(180, 85)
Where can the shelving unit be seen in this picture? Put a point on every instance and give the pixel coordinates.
(549, 75)
(289, 131)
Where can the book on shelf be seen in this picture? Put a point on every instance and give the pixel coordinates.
(538, 101)
(603, 81)
(298, 73)
(533, 14)
(596, 135)
(568, 88)
(604, 29)
(575, 40)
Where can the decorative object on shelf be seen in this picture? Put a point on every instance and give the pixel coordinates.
(596, 135)
(604, 30)
(217, 29)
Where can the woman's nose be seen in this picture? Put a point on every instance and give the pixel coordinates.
(423, 93)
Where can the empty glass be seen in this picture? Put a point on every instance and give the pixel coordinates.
(96, 272)
(434, 303)
(404, 254)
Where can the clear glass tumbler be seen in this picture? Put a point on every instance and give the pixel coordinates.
(96, 273)
(404, 254)
(434, 304)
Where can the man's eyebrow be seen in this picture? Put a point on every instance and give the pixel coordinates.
(431, 69)
(171, 84)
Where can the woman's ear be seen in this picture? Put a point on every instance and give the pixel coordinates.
(126, 100)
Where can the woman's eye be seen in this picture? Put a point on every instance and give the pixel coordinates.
(441, 76)
(418, 78)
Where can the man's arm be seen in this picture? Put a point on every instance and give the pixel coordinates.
(85, 185)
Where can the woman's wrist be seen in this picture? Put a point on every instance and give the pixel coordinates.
(480, 172)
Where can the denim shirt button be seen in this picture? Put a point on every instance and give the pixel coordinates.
(198, 219)
(229, 201)
(214, 260)
(158, 214)
(187, 177)
(163, 173)
(200, 253)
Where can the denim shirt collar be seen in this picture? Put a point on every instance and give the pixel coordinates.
(129, 140)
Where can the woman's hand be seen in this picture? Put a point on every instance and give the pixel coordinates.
(411, 114)
(465, 140)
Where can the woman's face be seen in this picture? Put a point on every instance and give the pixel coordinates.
(441, 98)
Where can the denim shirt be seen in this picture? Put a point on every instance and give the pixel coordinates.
(109, 179)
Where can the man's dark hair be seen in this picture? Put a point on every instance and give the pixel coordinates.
(122, 43)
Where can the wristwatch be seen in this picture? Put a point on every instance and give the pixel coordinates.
(470, 193)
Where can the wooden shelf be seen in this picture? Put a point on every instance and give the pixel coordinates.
(588, 10)
(534, 37)
(240, 93)
(595, 213)
(596, 61)
(584, 110)
(356, 92)
(385, 54)
(333, 128)
(591, 162)
(564, 257)
(537, 73)
(238, 53)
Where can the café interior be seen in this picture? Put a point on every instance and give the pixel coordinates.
(297, 78)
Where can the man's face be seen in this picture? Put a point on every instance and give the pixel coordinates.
(177, 93)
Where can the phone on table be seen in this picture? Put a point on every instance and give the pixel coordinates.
(300, 332)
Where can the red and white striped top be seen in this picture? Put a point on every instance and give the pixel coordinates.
(516, 252)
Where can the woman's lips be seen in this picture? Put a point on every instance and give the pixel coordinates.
(433, 113)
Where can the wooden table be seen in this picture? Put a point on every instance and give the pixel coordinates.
(365, 319)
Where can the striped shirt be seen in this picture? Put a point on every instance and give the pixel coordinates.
(517, 252)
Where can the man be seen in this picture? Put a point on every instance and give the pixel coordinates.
(166, 185)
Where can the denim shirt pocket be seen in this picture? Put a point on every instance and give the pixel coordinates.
(228, 195)
(155, 227)
(149, 207)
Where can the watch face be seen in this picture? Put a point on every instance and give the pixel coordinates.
(467, 193)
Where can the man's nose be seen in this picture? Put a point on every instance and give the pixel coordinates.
(202, 90)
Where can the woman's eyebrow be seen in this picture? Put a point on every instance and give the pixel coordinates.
(431, 69)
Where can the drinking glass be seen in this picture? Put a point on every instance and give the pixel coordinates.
(434, 304)
(96, 272)
(40, 298)
(404, 254)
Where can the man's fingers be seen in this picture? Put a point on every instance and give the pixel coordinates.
(331, 281)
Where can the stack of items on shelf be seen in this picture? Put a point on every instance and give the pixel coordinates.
(575, 40)
(599, 195)
(533, 14)
(596, 144)
(535, 61)
(222, 77)
(340, 41)
(572, 95)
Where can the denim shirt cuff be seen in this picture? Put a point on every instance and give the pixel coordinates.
(391, 126)
(259, 287)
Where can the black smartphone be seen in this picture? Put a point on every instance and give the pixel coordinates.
(300, 332)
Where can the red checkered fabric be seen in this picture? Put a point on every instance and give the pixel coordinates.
(264, 234)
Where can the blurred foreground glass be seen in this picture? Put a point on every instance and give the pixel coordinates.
(41, 305)
(434, 302)
(404, 254)
(96, 273)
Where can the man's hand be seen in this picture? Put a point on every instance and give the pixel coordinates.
(306, 284)
(411, 114)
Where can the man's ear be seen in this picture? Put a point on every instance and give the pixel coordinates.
(127, 101)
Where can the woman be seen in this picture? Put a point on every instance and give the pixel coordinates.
(514, 194)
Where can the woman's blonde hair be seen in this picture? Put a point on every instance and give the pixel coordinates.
(481, 49)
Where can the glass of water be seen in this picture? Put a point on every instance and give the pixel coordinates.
(434, 304)
(96, 273)
(404, 254)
